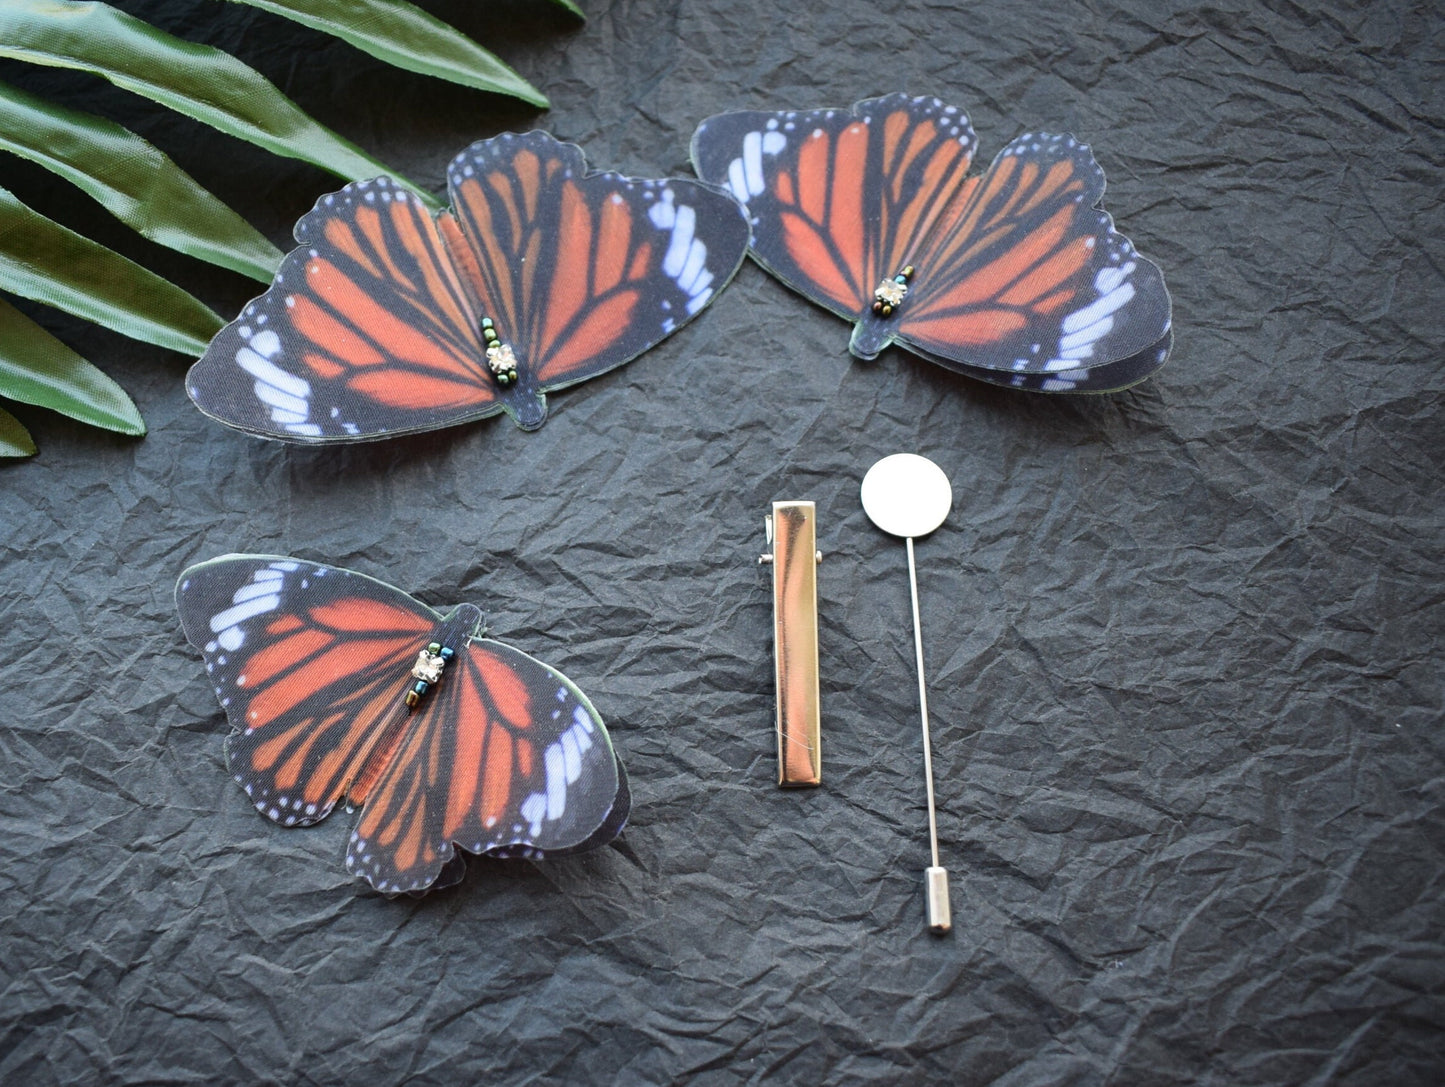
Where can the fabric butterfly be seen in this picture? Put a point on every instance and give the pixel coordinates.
(386, 321)
(1014, 277)
(342, 688)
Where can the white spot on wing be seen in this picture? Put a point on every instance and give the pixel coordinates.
(1080, 344)
(259, 586)
(571, 757)
(678, 249)
(281, 403)
(533, 809)
(753, 162)
(556, 782)
(737, 180)
(266, 343)
(239, 613)
(1089, 324)
(580, 738)
(694, 268)
(268, 372)
(1101, 307)
(580, 717)
(663, 214)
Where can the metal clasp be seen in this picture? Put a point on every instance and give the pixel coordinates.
(791, 529)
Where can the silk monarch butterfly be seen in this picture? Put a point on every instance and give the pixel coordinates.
(1014, 277)
(343, 688)
(386, 321)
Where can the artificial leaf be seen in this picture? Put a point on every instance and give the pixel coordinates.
(404, 35)
(15, 440)
(36, 368)
(43, 260)
(200, 81)
(134, 181)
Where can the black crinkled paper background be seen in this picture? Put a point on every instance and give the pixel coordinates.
(1184, 643)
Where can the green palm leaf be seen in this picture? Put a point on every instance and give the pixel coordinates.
(15, 440)
(404, 35)
(133, 181)
(43, 260)
(202, 82)
(36, 368)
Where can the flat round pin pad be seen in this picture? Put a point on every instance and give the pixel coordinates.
(907, 495)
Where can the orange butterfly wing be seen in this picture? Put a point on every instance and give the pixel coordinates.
(839, 198)
(582, 272)
(367, 331)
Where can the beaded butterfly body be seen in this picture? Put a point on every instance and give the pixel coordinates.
(386, 321)
(1014, 277)
(342, 688)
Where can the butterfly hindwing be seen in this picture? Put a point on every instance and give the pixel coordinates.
(1110, 377)
(1015, 277)
(311, 664)
(367, 331)
(582, 272)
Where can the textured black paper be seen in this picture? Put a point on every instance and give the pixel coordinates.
(1184, 643)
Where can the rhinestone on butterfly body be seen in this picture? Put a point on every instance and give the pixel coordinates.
(500, 357)
(431, 662)
(891, 292)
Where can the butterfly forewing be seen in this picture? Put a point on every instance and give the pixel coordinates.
(367, 331)
(582, 273)
(510, 755)
(839, 199)
(310, 663)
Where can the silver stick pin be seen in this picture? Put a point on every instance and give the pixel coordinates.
(908, 495)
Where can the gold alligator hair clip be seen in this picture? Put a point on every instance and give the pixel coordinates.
(792, 532)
